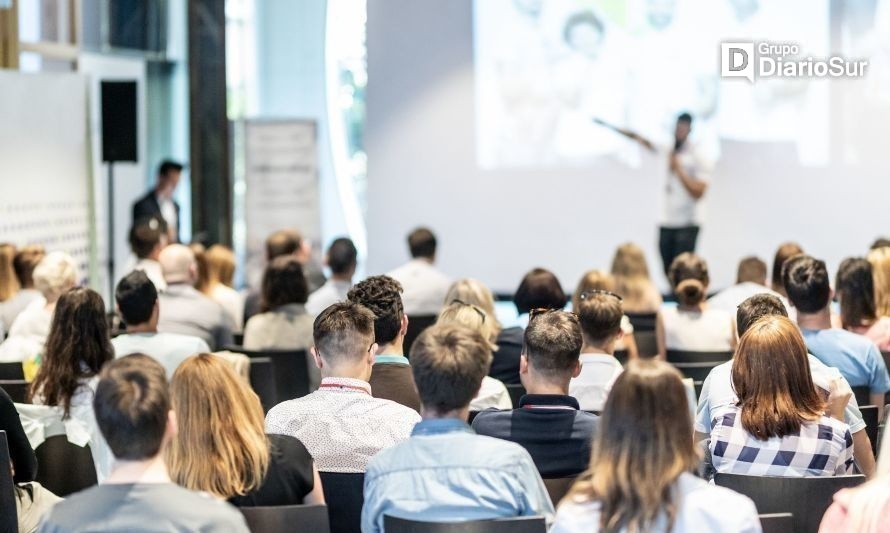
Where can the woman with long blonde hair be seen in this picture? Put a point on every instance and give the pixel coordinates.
(597, 280)
(221, 446)
(632, 280)
(219, 264)
(880, 264)
(493, 393)
(640, 476)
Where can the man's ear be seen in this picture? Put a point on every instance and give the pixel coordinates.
(372, 353)
(523, 364)
(315, 357)
(172, 428)
(576, 371)
(620, 335)
(403, 329)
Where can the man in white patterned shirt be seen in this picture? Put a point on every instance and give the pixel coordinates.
(341, 424)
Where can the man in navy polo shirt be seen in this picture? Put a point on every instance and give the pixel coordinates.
(548, 422)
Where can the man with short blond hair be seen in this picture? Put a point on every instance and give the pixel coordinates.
(462, 476)
(599, 314)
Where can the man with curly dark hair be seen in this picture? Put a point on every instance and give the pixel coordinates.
(391, 376)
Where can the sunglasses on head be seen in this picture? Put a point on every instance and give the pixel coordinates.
(479, 311)
(586, 295)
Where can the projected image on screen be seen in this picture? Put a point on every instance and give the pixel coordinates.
(551, 77)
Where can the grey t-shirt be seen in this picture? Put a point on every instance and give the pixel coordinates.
(160, 507)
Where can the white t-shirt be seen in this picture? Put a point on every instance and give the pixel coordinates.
(493, 393)
(710, 330)
(424, 287)
(680, 208)
(591, 387)
(731, 297)
(333, 291)
(232, 303)
(169, 349)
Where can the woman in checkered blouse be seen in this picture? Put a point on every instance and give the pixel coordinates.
(779, 426)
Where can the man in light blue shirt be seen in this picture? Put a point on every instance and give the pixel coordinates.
(717, 392)
(445, 472)
(137, 302)
(855, 356)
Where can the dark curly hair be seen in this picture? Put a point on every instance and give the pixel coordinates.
(383, 296)
(77, 347)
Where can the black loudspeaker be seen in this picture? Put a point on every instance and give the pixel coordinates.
(119, 121)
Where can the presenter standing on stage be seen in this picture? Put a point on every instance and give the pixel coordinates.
(688, 175)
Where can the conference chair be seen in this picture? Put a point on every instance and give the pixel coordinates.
(11, 371)
(696, 371)
(689, 356)
(65, 467)
(622, 356)
(516, 392)
(521, 524)
(416, 325)
(870, 417)
(642, 321)
(238, 339)
(17, 389)
(861, 393)
(262, 380)
(344, 494)
(806, 498)
(287, 519)
(647, 345)
(9, 522)
(289, 368)
(777, 523)
(558, 487)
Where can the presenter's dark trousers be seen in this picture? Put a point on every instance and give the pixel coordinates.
(674, 241)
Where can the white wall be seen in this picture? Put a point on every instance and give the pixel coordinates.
(496, 225)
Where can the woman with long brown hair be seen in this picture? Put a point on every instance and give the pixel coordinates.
(640, 476)
(855, 290)
(691, 325)
(221, 446)
(778, 426)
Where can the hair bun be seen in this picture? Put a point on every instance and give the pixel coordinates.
(690, 291)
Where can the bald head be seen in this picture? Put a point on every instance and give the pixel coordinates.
(178, 264)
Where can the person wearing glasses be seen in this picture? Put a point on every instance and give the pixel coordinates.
(599, 314)
(342, 424)
(492, 393)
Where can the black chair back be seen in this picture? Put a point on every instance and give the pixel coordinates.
(516, 392)
(416, 325)
(558, 487)
(290, 371)
(642, 321)
(882, 427)
(687, 356)
(870, 417)
(287, 518)
(647, 345)
(344, 494)
(777, 523)
(806, 498)
(65, 468)
(9, 522)
(521, 524)
(697, 371)
(17, 389)
(622, 356)
(262, 379)
(862, 394)
(11, 371)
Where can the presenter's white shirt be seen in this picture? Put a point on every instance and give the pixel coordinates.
(680, 208)
(424, 287)
(710, 330)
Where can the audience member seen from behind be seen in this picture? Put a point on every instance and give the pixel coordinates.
(632, 280)
(692, 325)
(640, 476)
(424, 285)
(218, 285)
(778, 426)
(341, 424)
(184, 309)
(750, 280)
(54, 275)
(137, 303)
(147, 238)
(785, 252)
(539, 289)
(472, 291)
(9, 284)
(24, 262)
(880, 265)
(717, 392)
(76, 349)
(492, 393)
(548, 422)
(856, 357)
(133, 411)
(462, 476)
(597, 280)
(283, 323)
(342, 260)
(856, 294)
(599, 315)
(240, 463)
(391, 376)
